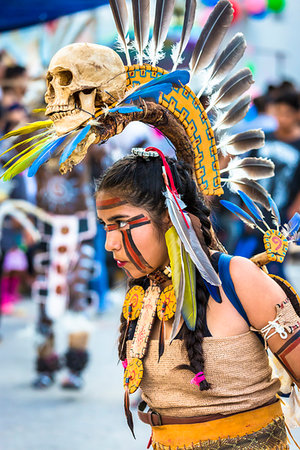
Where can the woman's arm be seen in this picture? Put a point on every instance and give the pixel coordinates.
(270, 312)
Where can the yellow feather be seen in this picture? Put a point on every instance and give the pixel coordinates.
(24, 142)
(29, 128)
(189, 307)
(173, 245)
(38, 110)
(24, 152)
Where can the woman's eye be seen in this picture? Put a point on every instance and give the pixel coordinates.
(122, 224)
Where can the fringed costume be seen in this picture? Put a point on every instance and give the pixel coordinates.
(203, 391)
(64, 264)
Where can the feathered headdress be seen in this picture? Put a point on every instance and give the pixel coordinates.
(153, 96)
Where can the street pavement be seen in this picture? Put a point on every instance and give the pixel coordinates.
(54, 419)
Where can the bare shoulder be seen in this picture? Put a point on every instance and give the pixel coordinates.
(257, 291)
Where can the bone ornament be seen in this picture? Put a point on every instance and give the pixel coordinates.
(82, 77)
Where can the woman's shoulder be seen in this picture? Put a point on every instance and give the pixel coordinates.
(257, 292)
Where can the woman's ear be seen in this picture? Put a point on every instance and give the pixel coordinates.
(166, 221)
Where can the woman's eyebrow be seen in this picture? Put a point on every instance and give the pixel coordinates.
(118, 216)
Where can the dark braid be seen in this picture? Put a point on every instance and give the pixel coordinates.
(140, 181)
(122, 329)
(195, 205)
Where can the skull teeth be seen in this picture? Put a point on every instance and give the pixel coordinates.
(59, 115)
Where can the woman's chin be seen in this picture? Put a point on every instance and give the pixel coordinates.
(134, 273)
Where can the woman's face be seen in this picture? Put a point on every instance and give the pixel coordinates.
(137, 245)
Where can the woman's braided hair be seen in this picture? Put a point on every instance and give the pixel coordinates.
(140, 182)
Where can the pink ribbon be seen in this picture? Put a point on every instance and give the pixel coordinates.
(124, 363)
(198, 378)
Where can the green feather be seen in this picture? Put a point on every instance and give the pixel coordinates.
(23, 163)
(173, 245)
(189, 307)
(29, 128)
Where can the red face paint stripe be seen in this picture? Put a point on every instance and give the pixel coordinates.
(130, 252)
(138, 221)
(110, 203)
(111, 227)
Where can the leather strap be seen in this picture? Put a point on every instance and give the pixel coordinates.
(154, 419)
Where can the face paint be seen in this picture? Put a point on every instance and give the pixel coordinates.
(110, 203)
(131, 249)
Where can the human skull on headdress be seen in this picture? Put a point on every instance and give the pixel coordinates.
(82, 77)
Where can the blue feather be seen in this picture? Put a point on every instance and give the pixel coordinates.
(253, 208)
(46, 154)
(73, 144)
(178, 77)
(162, 84)
(213, 291)
(275, 210)
(237, 211)
(125, 109)
(294, 223)
(149, 92)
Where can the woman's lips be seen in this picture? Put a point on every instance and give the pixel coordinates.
(121, 263)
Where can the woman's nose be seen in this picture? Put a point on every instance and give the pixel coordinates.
(113, 241)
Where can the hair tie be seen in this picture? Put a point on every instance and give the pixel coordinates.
(143, 153)
(125, 363)
(198, 378)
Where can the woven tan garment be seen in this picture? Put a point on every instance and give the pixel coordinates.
(236, 366)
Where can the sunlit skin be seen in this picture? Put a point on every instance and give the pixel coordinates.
(147, 240)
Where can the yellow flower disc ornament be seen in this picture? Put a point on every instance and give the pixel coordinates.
(133, 303)
(133, 375)
(166, 305)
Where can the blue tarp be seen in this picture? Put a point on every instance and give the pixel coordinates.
(16, 14)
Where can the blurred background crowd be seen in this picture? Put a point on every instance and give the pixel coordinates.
(24, 57)
(271, 28)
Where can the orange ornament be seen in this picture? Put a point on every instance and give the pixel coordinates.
(276, 245)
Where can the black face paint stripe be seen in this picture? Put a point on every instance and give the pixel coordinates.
(127, 251)
(136, 251)
(136, 225)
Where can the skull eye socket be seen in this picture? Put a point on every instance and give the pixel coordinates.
(49, 77)
(87, 91)
(64, 78)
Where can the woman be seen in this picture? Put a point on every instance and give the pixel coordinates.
(212, 387)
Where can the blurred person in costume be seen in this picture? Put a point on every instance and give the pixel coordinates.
(14, 85)
(17, 232)
(64, 266)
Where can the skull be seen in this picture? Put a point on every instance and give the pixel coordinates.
(82, 77)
